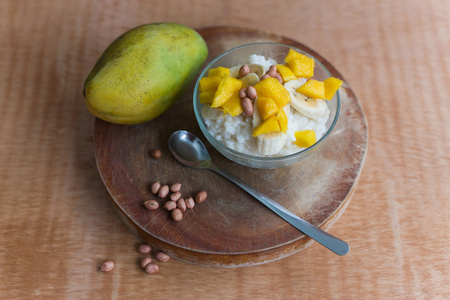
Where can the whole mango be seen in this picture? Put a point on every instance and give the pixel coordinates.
(143, 72)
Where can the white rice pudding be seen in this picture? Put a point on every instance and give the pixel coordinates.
(236, 132)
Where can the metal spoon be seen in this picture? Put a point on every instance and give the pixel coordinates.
(190, 151)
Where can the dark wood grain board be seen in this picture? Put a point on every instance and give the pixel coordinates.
(230, 228)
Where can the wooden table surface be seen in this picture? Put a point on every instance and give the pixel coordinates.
(57, 224)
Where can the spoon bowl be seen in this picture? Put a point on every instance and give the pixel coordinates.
(189, 150)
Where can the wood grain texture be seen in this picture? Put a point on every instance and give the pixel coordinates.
(56, 223)
(231, 229)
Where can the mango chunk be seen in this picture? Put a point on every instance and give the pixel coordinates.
(233, 106)
(269, 125)
(206, 96)
(227, 87)
(300, 64)
(331, 86)
(282, 120)
(313, 89)
(209, 83)
(267, 107)
(305, 138)
(219, 71)
(272, 88)
(285, 73)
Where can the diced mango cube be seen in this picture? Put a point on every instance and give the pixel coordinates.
(209, 83)
(219, 71)
(300, 64)
(285, 73)
(305, 138)
(269, 125)
(282, 120)
(272, 88)
(331, 86)
(206, 96)
(233, 106)
(313, 89)
(227, 87)
(267, 107)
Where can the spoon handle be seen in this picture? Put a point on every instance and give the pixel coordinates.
(331, 242)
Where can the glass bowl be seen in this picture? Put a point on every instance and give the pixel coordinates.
(238, 56)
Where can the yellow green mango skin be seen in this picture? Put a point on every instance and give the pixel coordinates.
(143, 72)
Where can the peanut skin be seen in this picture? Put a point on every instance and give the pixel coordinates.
(201, 196)
(151, 268)
(163, 191)
(247, 106)
(107, 266)
(161, 256)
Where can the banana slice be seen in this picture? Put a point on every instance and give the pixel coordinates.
(250, 79)
(254, 68)
(211, 113)
(268, 143)
(309, 107)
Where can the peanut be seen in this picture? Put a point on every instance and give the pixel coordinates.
(272, 73)
(273, 68)
(144, 248)
(107, 266)
(181, 205)
(189, 203)
(242, 93)
(244, 70)
(278, 76)
(156, 153)
(145, 262)
(175, 196)
(161, 256)
(265, 76)
(151, 268)
(176, 187)
(201, 196)
(151, 204)
(247, 106)
(177, 215)
(163, 191)
(155, 187)
(170, 205)
(251, 92)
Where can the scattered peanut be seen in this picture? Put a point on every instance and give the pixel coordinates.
(161, 256)
(151, 204)
(156, 153)
(242, 93)
(273, 68)
(247, 106)
(177, 215)
(181, 205)
(155, 187)
(251, 92)
(176, 187)
(163, 191)
(170, 205)
(175, 196)
(272, 73)
(265, 76)
(151, 268)
(145, 262)
(278, 76)
(244, 70)
(189, 203)
(144, 248)
(107, 266)
(201, 196)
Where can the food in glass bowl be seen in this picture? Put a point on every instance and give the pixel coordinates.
(267, 108)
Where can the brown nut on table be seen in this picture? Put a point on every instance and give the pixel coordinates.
(247, 106)
(177, 215)
(175, 196)
(144, 248)
(161, 256)
(155, 187)
(145, 261)
(176, 187)
(163, 191)
(244, 70)
(201, 196)
(181, 205)
(190, 203)
(151, 204)
(151, 268)
(156, 153)
(170, 205)
(107, 266)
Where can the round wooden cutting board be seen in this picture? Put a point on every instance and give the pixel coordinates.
(230, 228)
